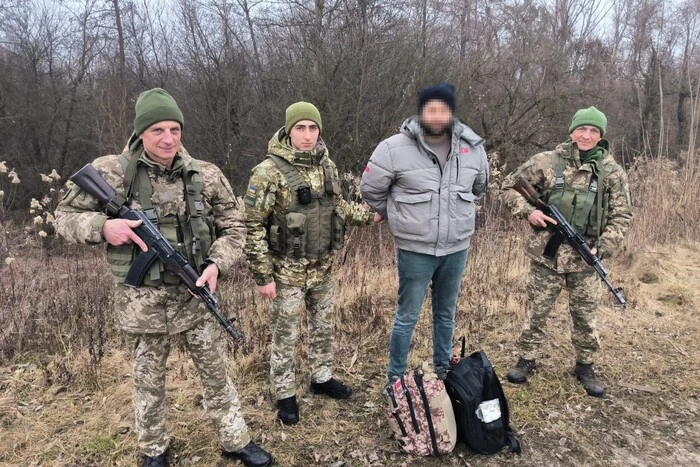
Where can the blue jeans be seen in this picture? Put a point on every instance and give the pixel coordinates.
(416, 271)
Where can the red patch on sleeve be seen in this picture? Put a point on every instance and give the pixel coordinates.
(367, 169)
(464, 150)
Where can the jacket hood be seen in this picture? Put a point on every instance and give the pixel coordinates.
(279, 146)
(411, 127)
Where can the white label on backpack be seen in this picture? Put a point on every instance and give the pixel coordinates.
(488, 411)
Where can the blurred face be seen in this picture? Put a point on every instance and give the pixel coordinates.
(586, 137)
(304, 135)
(436, 118)
(161, 141)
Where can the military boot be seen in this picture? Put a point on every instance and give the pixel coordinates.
(288, 411)
(157, 461)
(332, 388)
(585, 374)
(519, 373)
(251, 455)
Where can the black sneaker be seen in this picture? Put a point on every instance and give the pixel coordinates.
(519, 373)
(288, 410)
(332, 388)
(157, 461)
(586, 375)
(251, 455)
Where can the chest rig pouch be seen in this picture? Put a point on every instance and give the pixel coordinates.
(192, 233)
(584, 207)
(311, 227)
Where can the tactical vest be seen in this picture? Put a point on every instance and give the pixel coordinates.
(311, 227)
(192, 234)
(585, 208)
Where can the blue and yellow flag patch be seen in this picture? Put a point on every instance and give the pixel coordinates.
(251, 195)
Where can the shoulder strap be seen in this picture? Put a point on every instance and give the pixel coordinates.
(418, 378)
(558, 165)
(295, 180)
(201, 234)
(602, 190)
(290, 173)
(328, 175)
(136, 181)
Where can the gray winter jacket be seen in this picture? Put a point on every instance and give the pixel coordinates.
(429, 210)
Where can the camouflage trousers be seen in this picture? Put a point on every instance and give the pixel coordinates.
(204, 344)
(543, 288)
(284, 320)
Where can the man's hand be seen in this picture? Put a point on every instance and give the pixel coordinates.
(540, 219)
(268, 290)
(209, 276)
(119, 232)
(378, 218)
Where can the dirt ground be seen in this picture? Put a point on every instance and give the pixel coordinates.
(54, 414)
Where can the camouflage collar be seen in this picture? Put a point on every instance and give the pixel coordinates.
(176, 169)
(279, 146)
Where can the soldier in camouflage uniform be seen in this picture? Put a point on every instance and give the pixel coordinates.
(193, 205)
(585, 183)
(296, 217)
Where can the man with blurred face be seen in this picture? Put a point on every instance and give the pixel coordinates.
(590, 189)
(424, 181)
(295, 217)
(192, 204)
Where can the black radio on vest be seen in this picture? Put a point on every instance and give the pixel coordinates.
(304, 194)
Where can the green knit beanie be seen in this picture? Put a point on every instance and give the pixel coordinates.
(590, 116)
(301, 111)
(153, 106)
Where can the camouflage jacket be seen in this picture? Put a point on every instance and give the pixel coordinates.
(269, 194)
(539, 171)
(79, 219)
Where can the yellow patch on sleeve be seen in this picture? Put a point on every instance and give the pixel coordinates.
(251, 195)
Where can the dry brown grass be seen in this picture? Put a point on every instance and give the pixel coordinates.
(58, 407)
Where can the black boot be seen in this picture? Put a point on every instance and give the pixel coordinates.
(251, 455)
(332, 388)
(157, 461)
(288, 410)
(519, 373)
(585, 374)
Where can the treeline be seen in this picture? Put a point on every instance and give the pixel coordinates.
(70, 71)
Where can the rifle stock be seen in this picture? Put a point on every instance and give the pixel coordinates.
(89, 180)
(528, 192)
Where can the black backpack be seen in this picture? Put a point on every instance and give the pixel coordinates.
(471, 383)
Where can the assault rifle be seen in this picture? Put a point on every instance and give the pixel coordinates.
(159, 248)
(564, 231)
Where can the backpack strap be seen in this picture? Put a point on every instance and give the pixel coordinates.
(406, 394)
(418, 378)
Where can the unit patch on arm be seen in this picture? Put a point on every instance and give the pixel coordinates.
(251, 195)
